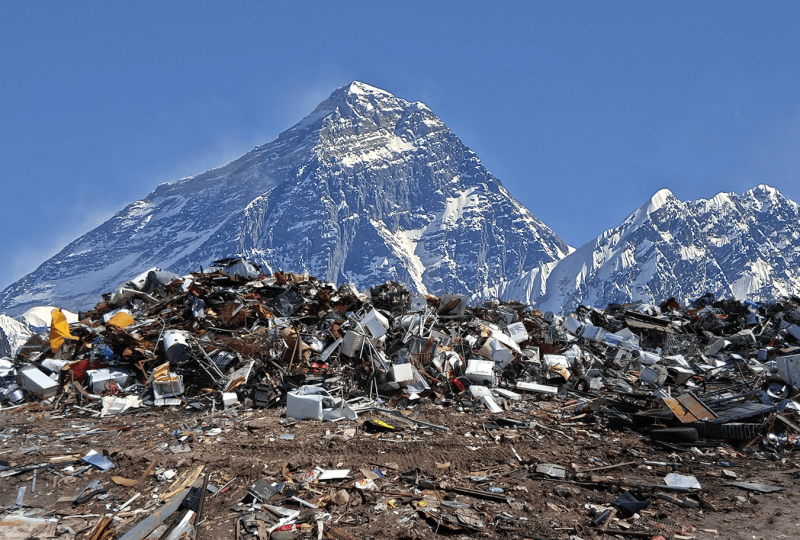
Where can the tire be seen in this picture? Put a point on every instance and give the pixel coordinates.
(736, 431)
(583, 385)
(675, 435)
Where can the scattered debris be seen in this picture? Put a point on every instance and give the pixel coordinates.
(700, 388)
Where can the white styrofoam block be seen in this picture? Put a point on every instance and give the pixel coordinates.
(508, 394)
(229, 399)
(533, 387)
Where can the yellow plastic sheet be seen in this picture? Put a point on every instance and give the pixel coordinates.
(121, 320)
(59, 330)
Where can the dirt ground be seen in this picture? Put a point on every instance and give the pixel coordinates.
(247, 446)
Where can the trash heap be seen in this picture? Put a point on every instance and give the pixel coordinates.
(230, 339)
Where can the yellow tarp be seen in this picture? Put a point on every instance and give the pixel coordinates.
(59, 330)
(121, 320)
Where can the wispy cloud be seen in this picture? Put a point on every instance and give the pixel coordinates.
(27, 256)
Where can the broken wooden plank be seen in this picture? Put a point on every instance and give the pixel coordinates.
(607, 467)
(148, 524)
(145, 474)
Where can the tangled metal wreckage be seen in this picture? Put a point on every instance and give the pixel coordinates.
(229, 340)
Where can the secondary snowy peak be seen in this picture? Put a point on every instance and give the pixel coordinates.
(367, 188)
(658, 200)
(662, 198)
(732, 245)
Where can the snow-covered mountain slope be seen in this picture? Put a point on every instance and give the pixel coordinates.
(732, 245)
(13, 335)
(365, 189)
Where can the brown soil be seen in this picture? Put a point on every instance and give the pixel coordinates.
(249, 448)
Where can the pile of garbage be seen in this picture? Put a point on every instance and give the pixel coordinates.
(230, 338)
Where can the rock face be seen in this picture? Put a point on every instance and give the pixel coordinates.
(370, 188)
(13, 335)
(367, 188)
(732, 245)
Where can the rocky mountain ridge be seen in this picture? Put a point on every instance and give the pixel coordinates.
(365, 189)
(742, 246)
(370, 187)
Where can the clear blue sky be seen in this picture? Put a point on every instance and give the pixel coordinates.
(582, 109)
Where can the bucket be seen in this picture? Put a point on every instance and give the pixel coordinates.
(176, 347)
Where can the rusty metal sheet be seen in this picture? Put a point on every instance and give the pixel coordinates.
(687, 408)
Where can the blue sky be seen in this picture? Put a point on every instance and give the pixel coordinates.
(582, 109)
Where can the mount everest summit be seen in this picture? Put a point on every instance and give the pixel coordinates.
(367, 188)
(370, 188)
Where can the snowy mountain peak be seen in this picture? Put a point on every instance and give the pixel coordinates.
(360, 98)
(659, 199)
(364, 89)
(731, 245)
(765, 190)
(641, 214)
(763, 197)
(367, 188)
